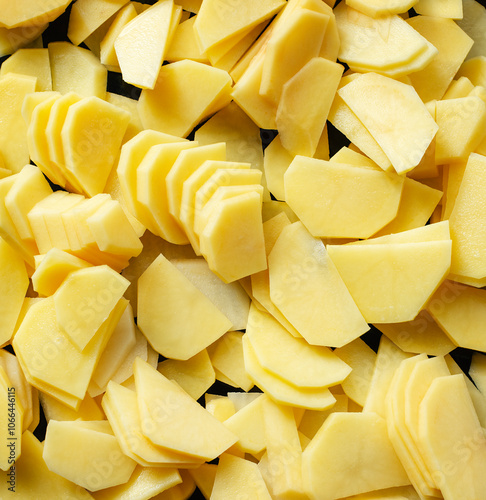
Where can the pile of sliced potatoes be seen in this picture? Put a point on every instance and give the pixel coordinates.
(187, 308)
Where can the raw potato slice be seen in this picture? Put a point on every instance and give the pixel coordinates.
(14, 283)
(388, 359)
(417, 203)
(276, 162)
(232, 241)
(38, 141)
(53, 269)
(168, 108)
(377, 8)
(378, 101)
(168, 414)
(132, 154)
(467, 223)
(477, 371)
(229, 298)
(144, 481)
(290, 49)
(226, 356)
(341, 116)
(218, 20)
(362, 360)
(34, 480)
(184, 44)
(29, 188)
(299, 123)
(151, 176)
(452, 9)
(351, 443)
(421, 335)
(406, 448)
(121, 407)
(98, 462)
(172, 329)
(281, 391)
(284, 451)
(318, 192)
(92, 135)
(291, 359)
(379, 276)
(88, 15)
(85, 300)
(236, 477)
(461, 318)
(382, 44)
(45, 351)
(472, 22)
(247, 423)
(75, 69)
(312, 296)
(12, 39)
(188, 162)
(453, 45)
(31, 12)
(33, 62)
(10, 435)
(195, 375)
(13, 129)
(445, 434)
(140, 57)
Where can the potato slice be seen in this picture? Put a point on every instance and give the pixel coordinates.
(75, 69)
(378, 275)
(13, 136)
(292, 359)
(91, 137)
(284, 452)
(223, 244)
(151, 175)
(88, 15)
(85, 300)
(236, 476)
(181, 114)
(175, 334)
(388, 359)
(29, 188)
(226, 356)
(144, 481)
(477, 371)
(33, 478)
(467, 230)
(33, 62)
(216, 21)
(313, 285)
(14, 282)
(440, 430)
(94, 447)
(421, 335)
(11, 40)
(346, 442)
(121, 408)
(276, 162)
(168, 413)
(281, 391)
(365, 45)
(28, 12)
(453, 45)
(377, 101)
(230, 298)
(472, 22)
(10, 435)
(195, 375)
(300, 126)
(140, 58)
(341, 116)
(318, 192)
(377, 8)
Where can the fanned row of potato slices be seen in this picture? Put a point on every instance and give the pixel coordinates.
(243, 249)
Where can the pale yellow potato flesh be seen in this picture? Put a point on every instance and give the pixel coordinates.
(176, 336)
(334, 452)
(313, 298)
